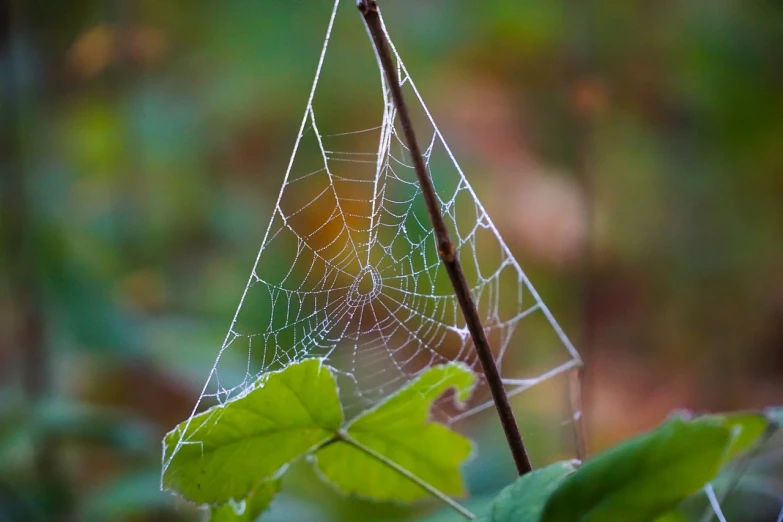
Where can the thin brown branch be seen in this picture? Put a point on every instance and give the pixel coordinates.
(446, 249)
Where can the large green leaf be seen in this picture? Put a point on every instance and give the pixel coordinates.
(222, 453)
(645, 477)
(524, 500)
(249, 509)
(399, 429)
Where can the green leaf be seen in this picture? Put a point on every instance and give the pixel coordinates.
(673, 516)
(747, 428)
(227, 450)
(478, 504)
(249, 509)
(644, 477)
(524, 500)
(400, 430)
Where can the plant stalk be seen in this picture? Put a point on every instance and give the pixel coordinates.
(446, 249)
(345, 437)
(575, 387)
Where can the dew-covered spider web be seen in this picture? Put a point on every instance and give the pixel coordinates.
(348, 269)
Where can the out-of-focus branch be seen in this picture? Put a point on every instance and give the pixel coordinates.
(28, 337)
(29, 328)
(584, 95)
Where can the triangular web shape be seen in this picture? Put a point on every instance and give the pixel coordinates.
(348, 269)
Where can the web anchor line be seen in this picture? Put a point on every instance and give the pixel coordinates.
(446, 250)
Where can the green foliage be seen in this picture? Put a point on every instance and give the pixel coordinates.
(249, 509)
(672, 516)
(289, 413)
(643, 477)
(399, 429)
(747, 428)
(524, 500)
(392, 451)
(295, 412)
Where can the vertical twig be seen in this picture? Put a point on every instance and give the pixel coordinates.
(29, 327)
(446, 249)
(582, 92)
(28, 332)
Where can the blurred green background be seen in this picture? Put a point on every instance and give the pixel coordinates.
(631, 154)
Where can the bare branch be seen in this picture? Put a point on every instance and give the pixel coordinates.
(446, 249)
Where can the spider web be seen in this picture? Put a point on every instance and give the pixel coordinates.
(348, 269)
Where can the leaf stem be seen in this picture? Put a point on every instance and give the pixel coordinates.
(343, 435)
(446, 249)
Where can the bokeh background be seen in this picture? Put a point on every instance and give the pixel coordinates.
(631, 154)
